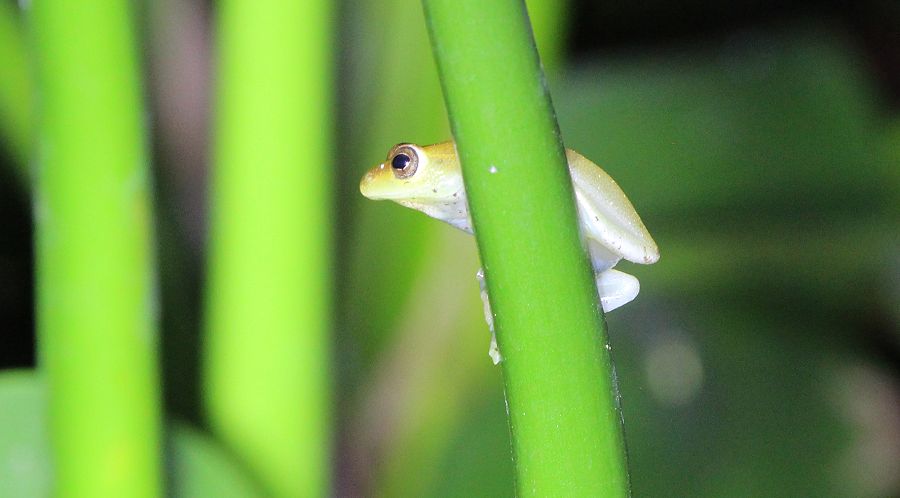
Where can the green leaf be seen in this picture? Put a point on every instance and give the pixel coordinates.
(198, 466)
(25, 469)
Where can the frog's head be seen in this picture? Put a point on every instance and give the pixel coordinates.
(417, 175)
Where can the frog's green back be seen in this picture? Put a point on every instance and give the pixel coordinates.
(444, 152)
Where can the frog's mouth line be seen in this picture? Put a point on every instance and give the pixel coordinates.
(379, 184)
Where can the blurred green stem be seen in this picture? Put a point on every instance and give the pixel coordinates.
(95, 302)
(564, 420)
(15, 87)
(268, 309)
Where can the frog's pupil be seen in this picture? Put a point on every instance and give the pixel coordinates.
(400, 161)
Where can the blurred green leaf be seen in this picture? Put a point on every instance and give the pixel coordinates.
(725, 403)
(764, 125)
(197, 466)
(200, 468)
(758, 164)
(25, 469)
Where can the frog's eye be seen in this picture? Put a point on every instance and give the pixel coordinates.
(400, 161)
(404, 161)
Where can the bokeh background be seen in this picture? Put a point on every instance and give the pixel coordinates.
(759, 142)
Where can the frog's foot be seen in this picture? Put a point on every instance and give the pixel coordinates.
(494, 351)
(616, 288)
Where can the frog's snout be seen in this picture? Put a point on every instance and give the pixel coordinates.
(368, 186)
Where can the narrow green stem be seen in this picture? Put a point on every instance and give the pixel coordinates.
(268, 309)
(563, 415)
(95, 302)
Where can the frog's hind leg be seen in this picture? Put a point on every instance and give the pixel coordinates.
(493, 351)
(616, 288)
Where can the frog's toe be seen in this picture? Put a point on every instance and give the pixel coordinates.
(616, 288)
(494, 351)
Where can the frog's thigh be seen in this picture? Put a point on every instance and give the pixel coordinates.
(616, 288)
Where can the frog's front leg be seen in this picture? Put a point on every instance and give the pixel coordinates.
(616, 288)
(494, 351)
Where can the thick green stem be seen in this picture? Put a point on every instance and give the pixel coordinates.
(95, 304)
(268, 310)
(563, 415)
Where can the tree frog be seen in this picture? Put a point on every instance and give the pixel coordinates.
(429, 179)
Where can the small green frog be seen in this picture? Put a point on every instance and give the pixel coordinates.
(429, 179)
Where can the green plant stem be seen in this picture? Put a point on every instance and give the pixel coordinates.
(563, 415)
(268, 309)
(95, 303)
(15, 88)
(442, 395)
